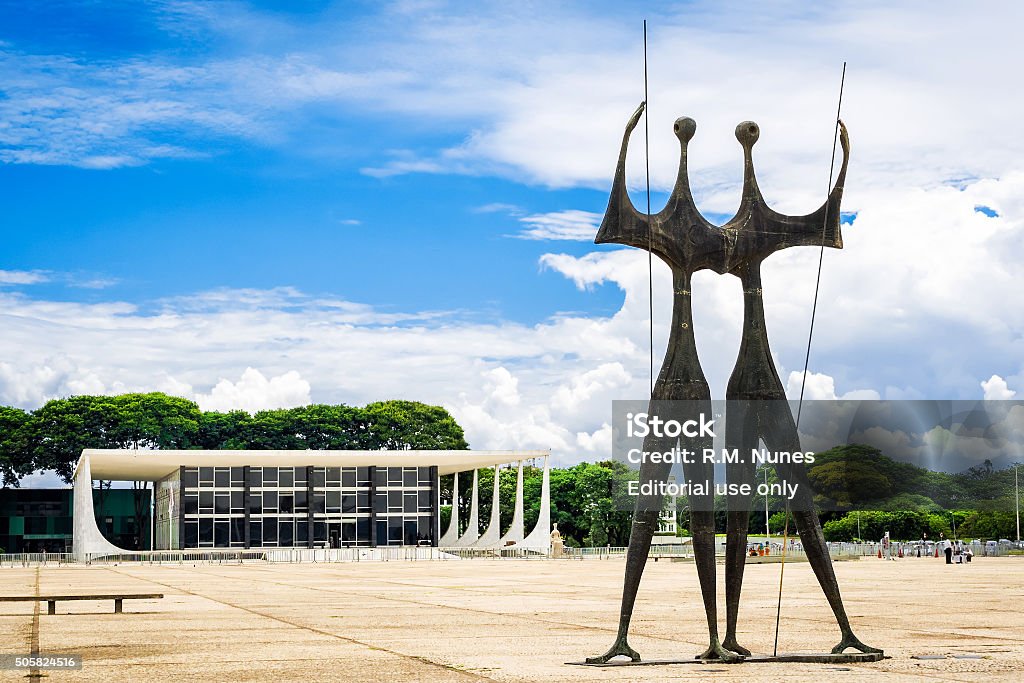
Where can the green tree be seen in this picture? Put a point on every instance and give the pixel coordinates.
(16, 455)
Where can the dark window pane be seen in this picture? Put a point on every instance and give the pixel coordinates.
(382, 532)
(287, 504)
(237, 529)
(363, 530)
(425, 501)
(409, 503)
(394, 530)
(348, 533)
(237, 500)
(409, 477)
(191, 535)
(424, 476)
(301, 476)
(363, 501)
(191, 504)
(270, 476)
(286, 477)
(206, 501)
(205, 531)
(255, 504)
(395, 476)
(395, 501)
(380, 476)
(380, 502)
(269, 529)
(222, 504)
(301, 532)
(319, 531)
(348, 503)
(269, 500)
(255, 476)
(237, 476)
(426, 528)
(362, 475)
(319, 503)
(319, 477)
(286, 533)
(333, 501)
(301, 501)
(333, 475)
(190, 479)
(222, 477)
(410, 532)
(221, 534)
(255, 534)
(205, 475)
(348, 477)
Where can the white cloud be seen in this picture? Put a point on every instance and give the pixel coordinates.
(22, 277)
(561, 225)
(254, 392)
(822, 387)
(996, 389)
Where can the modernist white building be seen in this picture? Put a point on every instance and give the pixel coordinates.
(306, 499)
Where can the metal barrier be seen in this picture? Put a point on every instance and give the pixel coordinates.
(26, 559)
(414, 553)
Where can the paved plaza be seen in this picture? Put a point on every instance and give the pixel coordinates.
(505, 621)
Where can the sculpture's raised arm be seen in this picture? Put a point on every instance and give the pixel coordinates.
(821, 226)
(622, 223)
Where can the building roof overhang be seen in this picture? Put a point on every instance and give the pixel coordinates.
(151, 465)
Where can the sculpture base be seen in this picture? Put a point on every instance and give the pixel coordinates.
(807, 658)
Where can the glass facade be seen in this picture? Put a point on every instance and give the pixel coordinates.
(286, 507)
(41, 520)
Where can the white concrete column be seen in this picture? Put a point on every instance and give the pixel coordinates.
(540, 537)
(472, 532)
(86, 537)
(515, 532)
(451, 536)
(493, 534)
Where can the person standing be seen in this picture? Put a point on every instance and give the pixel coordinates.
(948, 549)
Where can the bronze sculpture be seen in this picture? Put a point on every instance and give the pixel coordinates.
(687, 242)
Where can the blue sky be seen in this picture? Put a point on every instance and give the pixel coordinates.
(258, 205)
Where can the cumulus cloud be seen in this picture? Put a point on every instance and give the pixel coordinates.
(254, 392)
(996, 389)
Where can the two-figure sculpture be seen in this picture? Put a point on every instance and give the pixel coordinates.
(687, 243)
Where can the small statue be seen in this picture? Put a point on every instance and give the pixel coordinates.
(557, 546)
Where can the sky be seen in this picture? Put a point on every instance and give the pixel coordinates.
(265, 204)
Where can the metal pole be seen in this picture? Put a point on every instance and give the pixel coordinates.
(1016, 499)
(767, 529)
(858, 527)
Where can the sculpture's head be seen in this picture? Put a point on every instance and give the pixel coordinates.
(684, 128)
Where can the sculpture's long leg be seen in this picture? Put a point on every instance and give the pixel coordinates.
(645, 523)
(741, 433)
(784, 437)
(702, 529)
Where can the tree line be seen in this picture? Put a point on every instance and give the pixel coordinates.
(54, 436)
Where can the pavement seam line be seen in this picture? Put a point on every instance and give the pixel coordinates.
(422, 660)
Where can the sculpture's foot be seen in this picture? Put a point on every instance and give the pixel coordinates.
(731, 644)
(717, 653)
(850, 640)
(620, 648)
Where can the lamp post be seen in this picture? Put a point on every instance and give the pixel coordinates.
(859, 538)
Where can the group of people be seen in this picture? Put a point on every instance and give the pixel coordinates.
(890, 549)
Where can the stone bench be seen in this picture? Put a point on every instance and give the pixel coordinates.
(52, 600)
